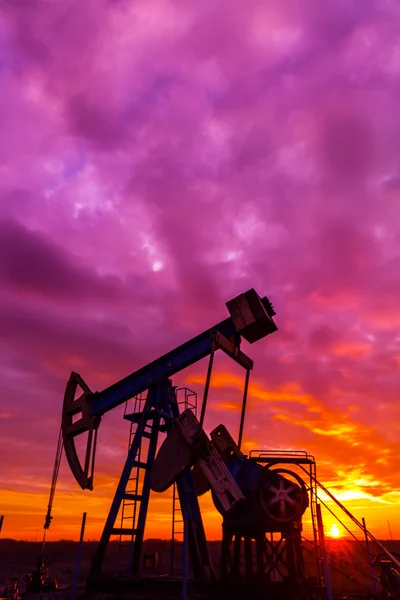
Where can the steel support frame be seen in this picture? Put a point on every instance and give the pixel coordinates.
(283, 555)
(272, 556)
(160, 405)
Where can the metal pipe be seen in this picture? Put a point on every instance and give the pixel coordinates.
(78, 558)
(374, 585)
(174, 492)
(321, 537)
(207, 386)
(246, 387)
(185, 554)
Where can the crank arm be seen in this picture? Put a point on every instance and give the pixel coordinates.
(187, 444)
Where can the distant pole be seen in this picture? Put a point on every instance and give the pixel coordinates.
(1, 521)
(390, 530)
(78, 558)
(375, 587)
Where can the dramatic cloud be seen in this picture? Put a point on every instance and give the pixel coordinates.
(159, 157)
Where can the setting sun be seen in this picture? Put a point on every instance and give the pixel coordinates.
(334, 531)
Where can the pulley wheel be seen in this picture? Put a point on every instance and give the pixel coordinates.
(281, 499)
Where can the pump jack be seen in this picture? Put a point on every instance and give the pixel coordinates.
(251, 318)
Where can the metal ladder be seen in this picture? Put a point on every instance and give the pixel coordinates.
(131, 498)
(186, 398)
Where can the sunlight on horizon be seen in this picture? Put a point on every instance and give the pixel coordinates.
(334, 531)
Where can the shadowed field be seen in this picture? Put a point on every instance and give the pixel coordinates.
(349, 562)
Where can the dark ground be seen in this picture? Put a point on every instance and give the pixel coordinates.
(349, 564)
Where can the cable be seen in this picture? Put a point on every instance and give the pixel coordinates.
(342, 524)
(56, 469)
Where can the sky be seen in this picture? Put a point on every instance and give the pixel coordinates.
(160, 157)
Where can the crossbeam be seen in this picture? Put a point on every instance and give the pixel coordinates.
(166, 366)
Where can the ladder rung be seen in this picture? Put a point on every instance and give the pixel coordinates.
(129, 496)
(123, 531)
(146, 434)
(141, 465)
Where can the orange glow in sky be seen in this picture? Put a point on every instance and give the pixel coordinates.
(359, 484)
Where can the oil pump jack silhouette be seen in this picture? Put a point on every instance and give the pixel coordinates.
(251, 498)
